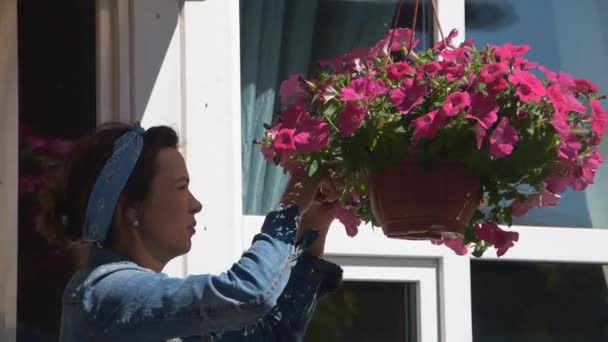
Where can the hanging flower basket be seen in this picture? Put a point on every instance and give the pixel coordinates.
(446, 144)
(409, 202)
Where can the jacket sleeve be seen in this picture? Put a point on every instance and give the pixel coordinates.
(310, 280)
(133, 303)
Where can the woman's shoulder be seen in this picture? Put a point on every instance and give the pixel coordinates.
(87, 278)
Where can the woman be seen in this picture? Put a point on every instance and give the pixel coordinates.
(125, 190)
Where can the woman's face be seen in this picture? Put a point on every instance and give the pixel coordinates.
(166, 215)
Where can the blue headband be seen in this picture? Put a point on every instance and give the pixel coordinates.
(110, 182)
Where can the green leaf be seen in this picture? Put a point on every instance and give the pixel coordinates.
(313, 168)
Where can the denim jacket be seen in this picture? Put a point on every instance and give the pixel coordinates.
(270, 294)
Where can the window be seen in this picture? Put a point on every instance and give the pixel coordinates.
(516, 301)
(279, 38)
(366, 311)
(564, 35)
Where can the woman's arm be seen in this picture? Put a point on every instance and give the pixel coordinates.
(134, 303)
(310, 280)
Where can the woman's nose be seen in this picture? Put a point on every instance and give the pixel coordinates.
(196, 205)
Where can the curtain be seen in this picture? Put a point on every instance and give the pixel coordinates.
(281, 37)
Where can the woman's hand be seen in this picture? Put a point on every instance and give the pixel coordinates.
(303, 190)
(319, 216)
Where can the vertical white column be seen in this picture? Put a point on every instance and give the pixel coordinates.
(155, 68)
(213, 113)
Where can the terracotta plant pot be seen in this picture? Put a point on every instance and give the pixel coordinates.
(411, 203)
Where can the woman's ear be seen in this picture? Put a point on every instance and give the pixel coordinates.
(127, 215)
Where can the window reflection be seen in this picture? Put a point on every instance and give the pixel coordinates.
(564, 35)
(520, 302)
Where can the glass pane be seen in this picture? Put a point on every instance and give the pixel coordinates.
(557, 31)
(366, 311)
(539, 302)
(281, 37)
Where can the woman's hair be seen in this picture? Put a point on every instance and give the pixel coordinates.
(64, 204)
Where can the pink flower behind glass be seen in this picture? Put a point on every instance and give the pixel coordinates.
(502, 139)
(350, 119)
(500, 239)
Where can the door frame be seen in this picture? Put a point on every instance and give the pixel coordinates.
(9, 131)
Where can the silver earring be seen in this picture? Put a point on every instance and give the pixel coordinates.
(136, 223)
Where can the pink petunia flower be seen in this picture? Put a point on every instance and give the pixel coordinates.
(585, 86)
(484, 109)
(480, 134)
(408, 96)
(558, 183)
(493, 72)
(397, 71)
(584, 175)
(350, 119)
(284, 141)
(455, 103)
(524, 64)
(455, 244)
(347, 215)
(430, 68)
(291, 87)
(311, 135)
(428, 125)
(598, 117)
(459, 56)
(528, 87)
(497, 86)
(363, 88)
(401, 39)
(541, 199)
(568, 148)
(293, 114)
(441, 45)
(508, 51)
(501, 240)
(502, 139)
